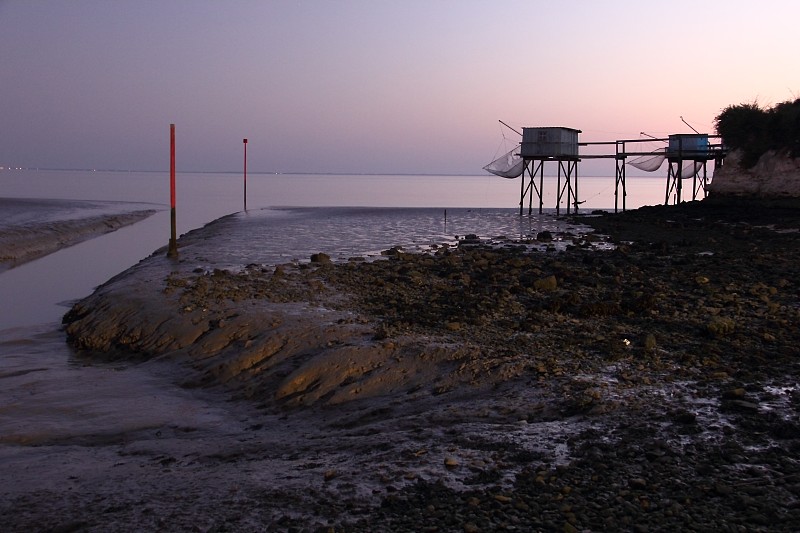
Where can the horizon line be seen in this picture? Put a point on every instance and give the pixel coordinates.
(261, 172)
(289, 173)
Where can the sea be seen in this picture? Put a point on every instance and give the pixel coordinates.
(339, 214)
(47, 391)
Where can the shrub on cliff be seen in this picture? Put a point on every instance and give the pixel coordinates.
(755, 130)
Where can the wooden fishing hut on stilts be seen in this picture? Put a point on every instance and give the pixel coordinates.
(549, 144)
(687, 154)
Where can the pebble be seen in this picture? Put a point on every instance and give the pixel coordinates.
(451, 462)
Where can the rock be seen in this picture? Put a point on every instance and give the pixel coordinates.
(546, 284)
(775, 175)
(637, 483)
(741, 405)
(684, 417)
(451, 463)
(734, 394)
(650, 343)
(393, 251)
(470, 239)
(720, 326)
(320, 258)
(544, 236)
(722, 489)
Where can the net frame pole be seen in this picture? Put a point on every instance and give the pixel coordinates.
(540, 190)
(574, 172)
(620, 175)
(679, 180)
(670, 181)
(522, 187)
(559, 190)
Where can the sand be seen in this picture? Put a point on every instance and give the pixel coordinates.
(33, 228)
(651, 384)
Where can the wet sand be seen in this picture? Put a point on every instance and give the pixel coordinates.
(32, 228)
(651, 384)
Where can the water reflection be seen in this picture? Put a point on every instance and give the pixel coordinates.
(279, 236)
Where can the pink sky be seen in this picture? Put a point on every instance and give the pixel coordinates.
(371, 87)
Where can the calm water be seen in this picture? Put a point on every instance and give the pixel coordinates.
(38, 292)
(223, 192)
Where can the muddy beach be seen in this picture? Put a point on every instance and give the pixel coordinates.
(640, 375)
(57, 224)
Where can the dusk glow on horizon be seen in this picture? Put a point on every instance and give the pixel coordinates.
(371, 87)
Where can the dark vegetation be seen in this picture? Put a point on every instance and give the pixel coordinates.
(755, 130)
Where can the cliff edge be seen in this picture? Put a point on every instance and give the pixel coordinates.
(775, 177)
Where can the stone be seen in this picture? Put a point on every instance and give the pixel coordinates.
(451, 462)
(722, 489)
(393, 251)
(734, 394)
(684, 417)
(775, 175)
(650, 343)
(742, 405)
(320, 258)
(720, 326)
(637, 483)
(546, 284)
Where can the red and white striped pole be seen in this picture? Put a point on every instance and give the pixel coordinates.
(245, 173)
(173, 241)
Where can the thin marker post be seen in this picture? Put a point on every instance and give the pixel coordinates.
(244, 141)
(173, 240)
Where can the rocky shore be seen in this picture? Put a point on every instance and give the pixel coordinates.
(644, 379)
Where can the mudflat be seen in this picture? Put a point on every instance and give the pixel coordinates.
(645, 378)
(32, 228)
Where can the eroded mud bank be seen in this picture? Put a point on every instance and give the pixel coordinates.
(35, 228)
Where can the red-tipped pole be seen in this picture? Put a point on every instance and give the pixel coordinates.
(173, 240)
(245, 173)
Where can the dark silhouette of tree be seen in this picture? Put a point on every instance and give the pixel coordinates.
(755, 130)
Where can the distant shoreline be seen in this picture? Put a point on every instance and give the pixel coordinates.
(251, 172)
(300, 173)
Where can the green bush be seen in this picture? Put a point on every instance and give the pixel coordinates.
(755, 130)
